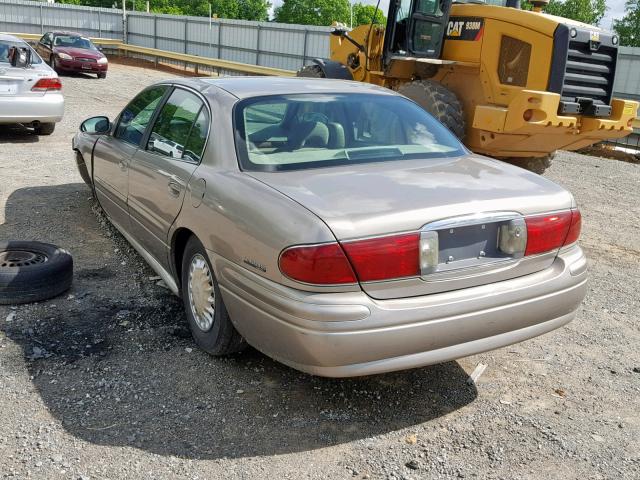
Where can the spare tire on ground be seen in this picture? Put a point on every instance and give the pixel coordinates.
(33, 271)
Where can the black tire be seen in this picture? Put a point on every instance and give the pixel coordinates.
(33, 271)
(44, 129)
(221, 338)
(439, 101)
(52, 63)
(102, 75)
(311, 71)
(534, 164)
(82, 169)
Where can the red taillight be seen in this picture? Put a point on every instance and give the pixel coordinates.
(46, 84)
(575, 228)
(323, 264)
(384, 258)
(550, 232)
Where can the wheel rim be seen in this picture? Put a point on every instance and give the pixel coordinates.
(21, 258)
(202, 296)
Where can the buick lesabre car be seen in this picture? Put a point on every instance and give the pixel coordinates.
(335, 226)
(30, 91)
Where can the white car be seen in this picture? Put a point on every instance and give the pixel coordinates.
(30, 90)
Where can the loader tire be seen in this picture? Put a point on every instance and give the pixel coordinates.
(534, 164)
(311, 71)
(439, 101)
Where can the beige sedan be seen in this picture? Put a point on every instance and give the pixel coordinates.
(334, 226)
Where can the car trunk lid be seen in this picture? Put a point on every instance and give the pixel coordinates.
(465, 200)
(20, 81)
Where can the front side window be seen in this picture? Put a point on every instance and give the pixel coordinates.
(181, 128)
(136, 116)
(46, 39)
(336, 129)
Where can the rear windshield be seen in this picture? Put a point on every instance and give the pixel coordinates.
(288, 132)
(73, 41)
(6, 45)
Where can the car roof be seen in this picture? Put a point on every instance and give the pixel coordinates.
(10, 38)
(247, 87)
(66, 32)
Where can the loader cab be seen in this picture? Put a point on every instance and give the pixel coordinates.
(416, 28)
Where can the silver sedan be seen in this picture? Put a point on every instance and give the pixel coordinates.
(30, 90)
(335, 226)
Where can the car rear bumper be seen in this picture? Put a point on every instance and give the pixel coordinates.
(75, 66)
(46, 108)
(351, 334)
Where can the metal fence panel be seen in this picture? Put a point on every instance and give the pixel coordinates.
(25, 16)
(628, 72)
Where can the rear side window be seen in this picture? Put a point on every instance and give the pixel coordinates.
(198, 137)
(181, 127)
(136, 116)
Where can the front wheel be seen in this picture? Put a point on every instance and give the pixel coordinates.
(53, 63)
(439, 101)
(311, 71)
(102, 75)
(534, 164)
(82, 169)
(208, 318)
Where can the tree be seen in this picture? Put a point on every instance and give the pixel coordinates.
(362, 15)
(628, 27)
(313, 12)
(586, 11)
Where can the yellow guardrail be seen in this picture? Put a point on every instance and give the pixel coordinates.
(181, 57)
(209, 62)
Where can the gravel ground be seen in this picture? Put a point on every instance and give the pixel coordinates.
(105, 382)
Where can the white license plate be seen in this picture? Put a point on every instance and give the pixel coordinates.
(7, 89)
(86, 67)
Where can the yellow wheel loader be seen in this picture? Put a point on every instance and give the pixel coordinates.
(513, 84)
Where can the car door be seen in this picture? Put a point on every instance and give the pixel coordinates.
(113, 152)
(44, 47)
(159, 172)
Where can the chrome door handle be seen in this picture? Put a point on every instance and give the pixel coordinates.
(174, 188)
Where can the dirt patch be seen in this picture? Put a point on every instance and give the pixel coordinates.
(607, 152)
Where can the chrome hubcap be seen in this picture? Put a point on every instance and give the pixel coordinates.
(202, 296)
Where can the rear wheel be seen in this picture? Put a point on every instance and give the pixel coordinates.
(44, 128)
(311, 71)
(439, 101)
(535, 164)
(208, 318)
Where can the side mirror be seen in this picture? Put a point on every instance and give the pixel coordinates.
(96, 125)
(20, 57)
